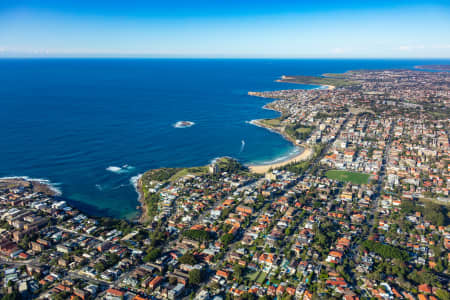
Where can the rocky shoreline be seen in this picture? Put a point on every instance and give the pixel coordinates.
(143, 216)
(37, 185)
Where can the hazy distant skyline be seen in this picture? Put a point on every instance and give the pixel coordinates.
(216, 29)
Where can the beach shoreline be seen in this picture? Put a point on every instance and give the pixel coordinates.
(304, 155)
(264, 168)
(329, 87)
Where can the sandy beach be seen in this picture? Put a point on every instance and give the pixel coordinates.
(260, 169)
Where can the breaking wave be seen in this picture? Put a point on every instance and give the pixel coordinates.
(120, 170)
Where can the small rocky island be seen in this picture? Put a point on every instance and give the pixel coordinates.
(183, 124)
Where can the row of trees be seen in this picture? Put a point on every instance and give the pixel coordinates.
(385, 251)
(197, 235)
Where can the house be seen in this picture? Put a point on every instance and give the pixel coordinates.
(223, 274)
(267, 259)
(334, 257)
(244, 209)
(114, 294)
(155, 282)
(425, 288)
(37, 246)
(307, 295)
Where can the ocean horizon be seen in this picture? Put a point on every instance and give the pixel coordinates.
(90, 126)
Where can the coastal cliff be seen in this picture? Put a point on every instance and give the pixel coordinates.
(143, 217)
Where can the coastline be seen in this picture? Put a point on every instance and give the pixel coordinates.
(304, 155)
(143, 216)
(263, 168)
(329, 87)
(254, 168)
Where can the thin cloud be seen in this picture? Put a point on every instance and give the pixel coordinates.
(410, 47)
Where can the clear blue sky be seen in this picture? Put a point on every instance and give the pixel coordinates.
(227, 28)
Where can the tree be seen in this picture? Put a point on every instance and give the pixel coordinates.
(442, 294)
(197, 235)
(13, 296)
(227, 238)
(196, 276)
(188, 259)
(158, 237)
(99, 267)
(238, 270)
(385, 251)
(423, 276)
(152, 255)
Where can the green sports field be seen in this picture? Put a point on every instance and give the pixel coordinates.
(346, 176)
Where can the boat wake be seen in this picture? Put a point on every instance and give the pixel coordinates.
(242, 146)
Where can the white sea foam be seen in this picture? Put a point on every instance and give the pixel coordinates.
(214, 160)
(134, 181)
(183, 124)
(120, 170)
(54, 187)
(114, 169)
(291, 154)
(119, 186)
(255, 123)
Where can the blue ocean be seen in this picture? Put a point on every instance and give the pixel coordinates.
(90, 126)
